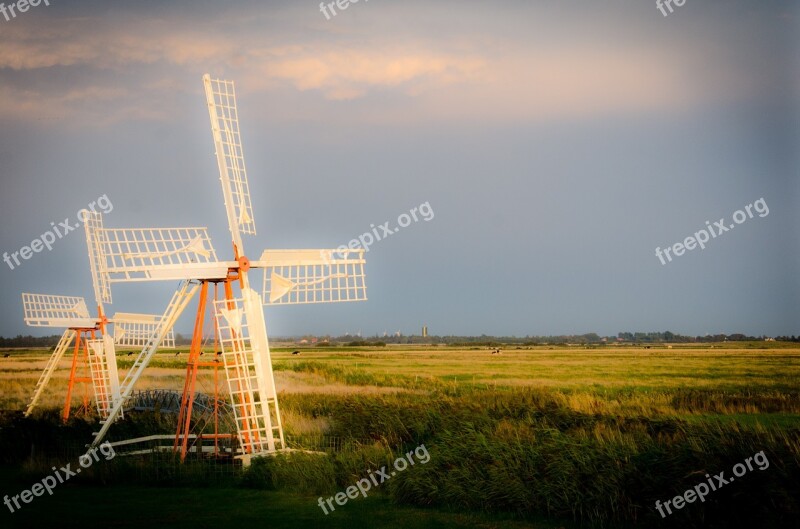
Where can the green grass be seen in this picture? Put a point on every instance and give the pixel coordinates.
(125, 507)
(573, 367)
(591, 435)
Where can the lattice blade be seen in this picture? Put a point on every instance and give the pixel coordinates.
(294, 277)
(93, 225)
(105, 377)
(43, 310)
(135, 330)
(221, 99)
(157, 254)
(248, 367)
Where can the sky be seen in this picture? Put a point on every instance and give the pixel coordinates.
(557, 144)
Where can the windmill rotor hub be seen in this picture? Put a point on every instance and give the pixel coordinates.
(244, 263)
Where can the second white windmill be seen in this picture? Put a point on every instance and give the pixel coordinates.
(94, 349)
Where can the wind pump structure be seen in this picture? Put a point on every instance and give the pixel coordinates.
(94, 355)
(186, 255)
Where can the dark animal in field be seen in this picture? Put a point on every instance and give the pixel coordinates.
(219, 353)
(6, 355)
(295, 352)
(130, 353)
(178, 354)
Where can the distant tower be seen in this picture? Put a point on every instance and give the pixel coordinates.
(424, 331)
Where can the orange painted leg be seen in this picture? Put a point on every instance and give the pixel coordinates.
(68, 402)
(187, 400)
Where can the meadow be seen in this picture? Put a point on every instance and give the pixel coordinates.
(537, 436)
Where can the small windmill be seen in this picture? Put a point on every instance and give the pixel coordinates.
(186, 255)
(94, 350)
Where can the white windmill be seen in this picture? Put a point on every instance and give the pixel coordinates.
(186, 255)
(93, 349)
(42, 310)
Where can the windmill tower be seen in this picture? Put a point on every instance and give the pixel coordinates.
(186, 255)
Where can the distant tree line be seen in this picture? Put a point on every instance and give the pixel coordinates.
(30, 341)
(482, 340)
(494, 341)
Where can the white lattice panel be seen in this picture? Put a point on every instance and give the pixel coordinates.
(221, 99)
(313, 276)
(153, 254)
(93, 225)
(136, 330)
(248, 368)
(44, 310)
(105, 378)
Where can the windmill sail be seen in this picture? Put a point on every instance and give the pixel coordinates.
(221, 99)
(248, 369)
(44, 310)
(135, 330)
(152, 254)
(293, 277)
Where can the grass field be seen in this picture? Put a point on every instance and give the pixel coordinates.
(551, 436)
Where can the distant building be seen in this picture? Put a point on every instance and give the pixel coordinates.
(424, 331)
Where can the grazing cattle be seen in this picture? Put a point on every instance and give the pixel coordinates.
(6, 355)
(295, 352)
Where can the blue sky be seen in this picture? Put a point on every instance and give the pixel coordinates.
(558, 143)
